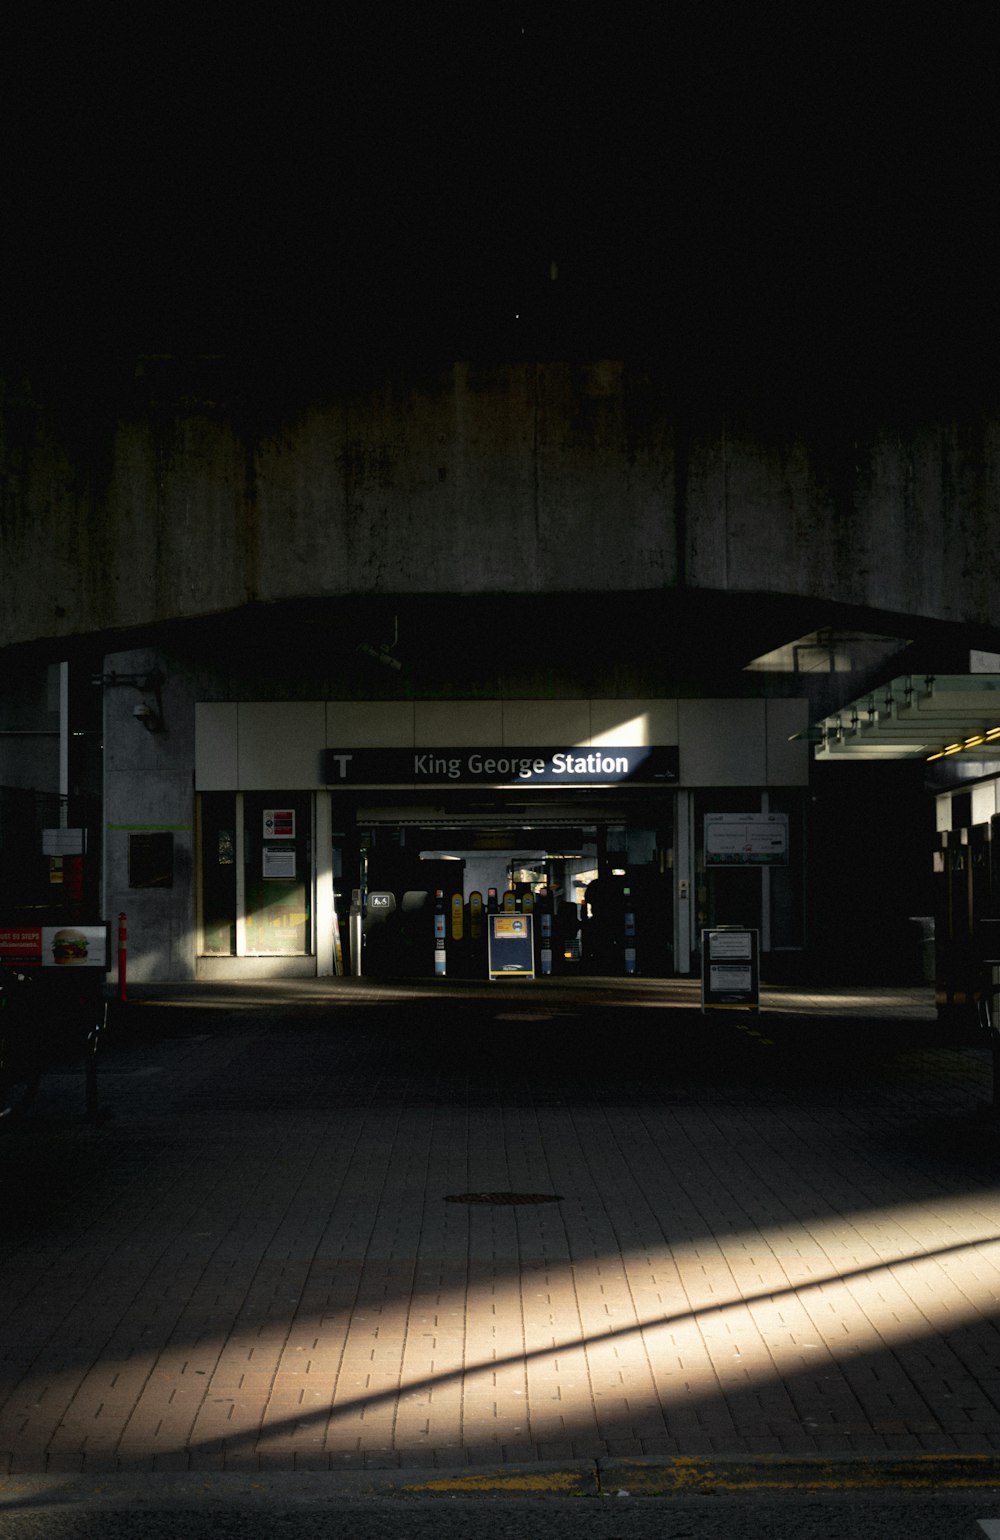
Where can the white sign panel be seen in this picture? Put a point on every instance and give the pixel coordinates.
(64, 842)
(279, 863)
(730, 977)
(746, 839)
(735, 943)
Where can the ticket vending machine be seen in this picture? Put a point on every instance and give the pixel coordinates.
(440, 934)
(544, 913)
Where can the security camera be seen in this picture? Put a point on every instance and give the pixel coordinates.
(380, 654)
(149, 718)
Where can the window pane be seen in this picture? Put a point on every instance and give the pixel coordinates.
(278, 855)
(218, 869)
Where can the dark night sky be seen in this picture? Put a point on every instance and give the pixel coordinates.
(805, 182)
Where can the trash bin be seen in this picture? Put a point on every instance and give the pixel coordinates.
(922, 927)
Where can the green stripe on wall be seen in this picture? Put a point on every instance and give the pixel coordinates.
(133, 826)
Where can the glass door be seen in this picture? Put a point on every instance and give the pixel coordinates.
(277, 854)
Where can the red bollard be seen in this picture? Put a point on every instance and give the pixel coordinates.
(122, 939)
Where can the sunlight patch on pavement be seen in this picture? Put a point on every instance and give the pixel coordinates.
(520, 1354)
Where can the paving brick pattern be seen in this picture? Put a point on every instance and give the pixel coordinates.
(763, 1236)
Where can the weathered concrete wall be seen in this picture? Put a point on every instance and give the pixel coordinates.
(148, 786)
(907, 522)
(523, 478)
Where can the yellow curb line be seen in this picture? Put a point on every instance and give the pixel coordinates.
(548, 1481)
(694, 1475)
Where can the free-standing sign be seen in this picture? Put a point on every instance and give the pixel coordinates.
(511, 945)
(55, 946)
(730, 973)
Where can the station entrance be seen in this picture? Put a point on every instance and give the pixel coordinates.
(298, 882)
(418, 886)
(355, 859)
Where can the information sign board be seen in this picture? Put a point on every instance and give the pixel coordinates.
(730, 972)
(746, 839)
(64, 842)
(510, 945)
(278, 862)
(607, 764)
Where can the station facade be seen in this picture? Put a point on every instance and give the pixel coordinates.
(531, 627)
(237, 837)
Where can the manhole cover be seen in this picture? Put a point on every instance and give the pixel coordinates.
(525, 1015)
(503, 1197)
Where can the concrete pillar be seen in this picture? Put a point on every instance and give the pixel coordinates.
(684, 881)
(323, 906)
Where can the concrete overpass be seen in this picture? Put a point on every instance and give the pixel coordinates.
(179, 498)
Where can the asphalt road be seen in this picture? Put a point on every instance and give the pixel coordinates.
(947, 1516)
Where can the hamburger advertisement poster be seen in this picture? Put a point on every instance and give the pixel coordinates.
(52, 946)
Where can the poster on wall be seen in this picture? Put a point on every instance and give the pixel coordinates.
(279, 823)
(279, 862)
(151, 859)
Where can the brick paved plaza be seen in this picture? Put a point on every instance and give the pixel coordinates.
(737, 1235)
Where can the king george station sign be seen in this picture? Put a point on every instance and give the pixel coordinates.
(608, 764)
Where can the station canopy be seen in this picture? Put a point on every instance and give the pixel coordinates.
(932, 717)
